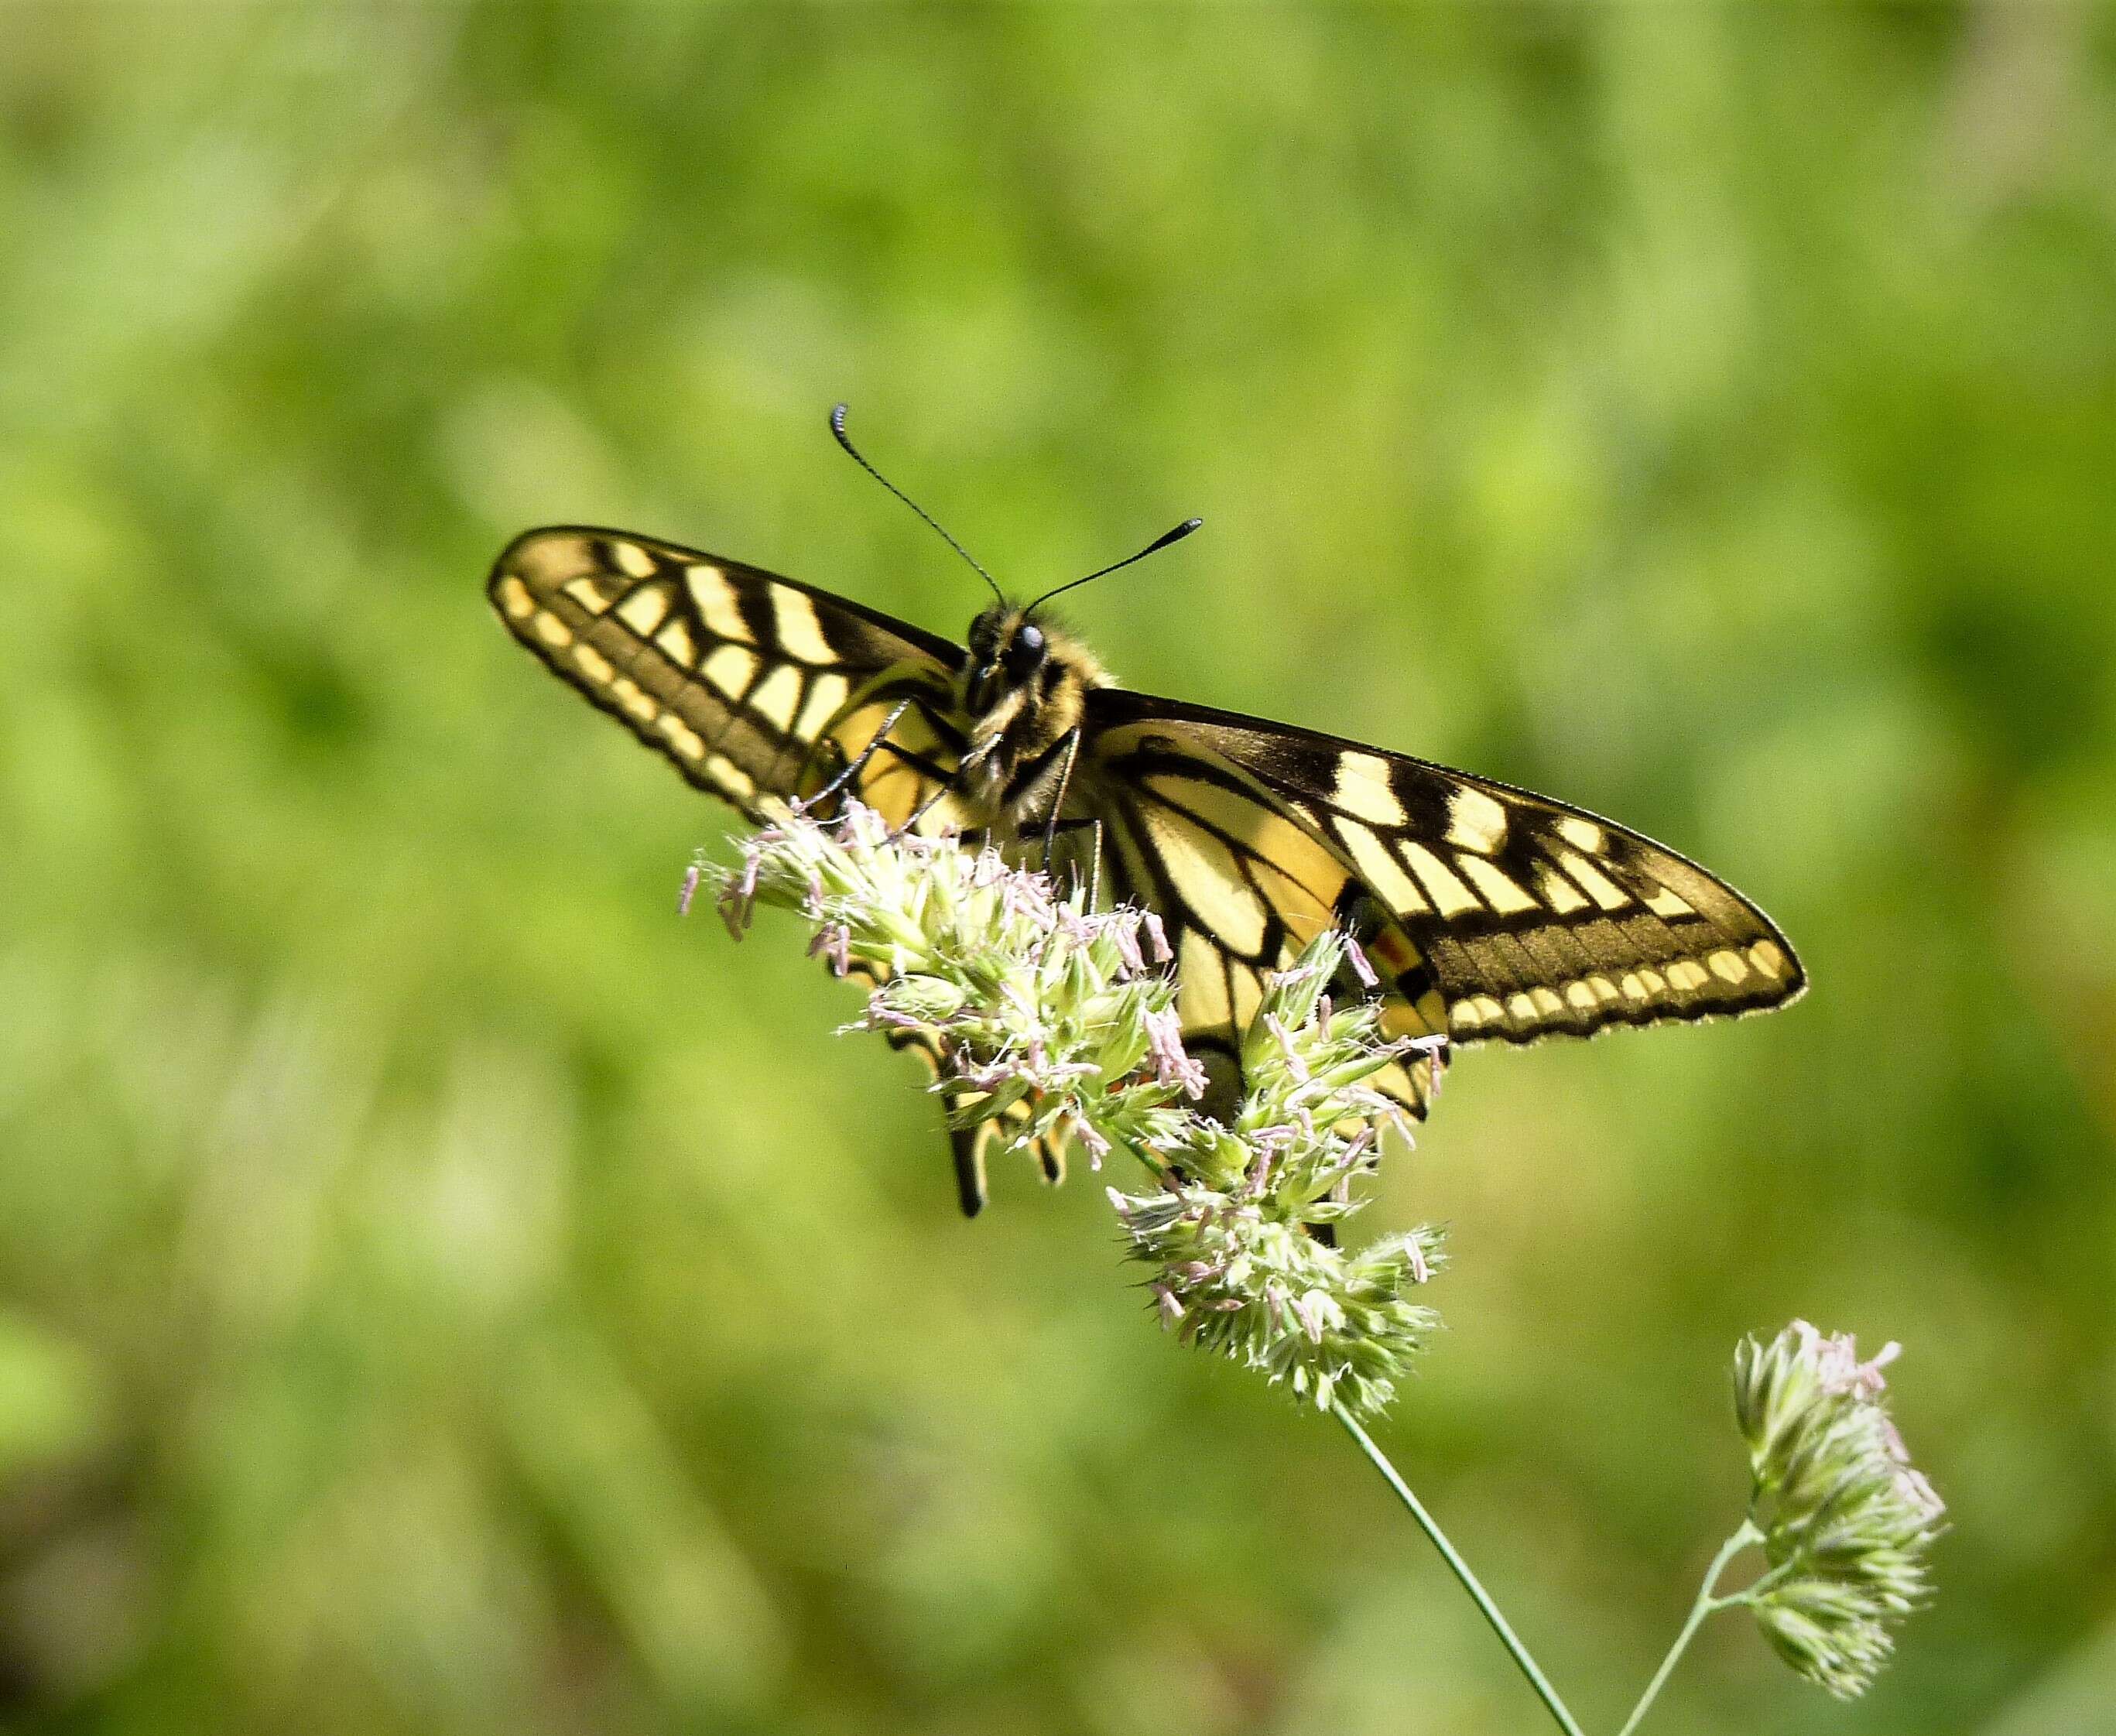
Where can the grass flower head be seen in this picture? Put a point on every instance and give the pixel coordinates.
(1063, 1020)
(1846, 1520)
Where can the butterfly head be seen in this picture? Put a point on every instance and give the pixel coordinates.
(1016, 661)
(1023, 683)
(1007, 651)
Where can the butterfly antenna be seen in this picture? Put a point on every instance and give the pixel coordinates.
(1154, 547)
(844, 439)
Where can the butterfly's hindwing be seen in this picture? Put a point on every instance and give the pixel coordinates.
(971, 1145)
(752, 684)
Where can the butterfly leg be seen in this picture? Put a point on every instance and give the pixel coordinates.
(943, 785)
(1071, 745)
(1055, 765)
(1065, 828)
(852, 771)
(944, 780)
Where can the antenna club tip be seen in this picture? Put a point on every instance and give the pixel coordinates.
(1177, 535)
(837, 415)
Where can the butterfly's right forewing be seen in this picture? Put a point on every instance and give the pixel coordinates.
(1495, 912)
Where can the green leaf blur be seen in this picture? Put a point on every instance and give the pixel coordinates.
(441, 1292)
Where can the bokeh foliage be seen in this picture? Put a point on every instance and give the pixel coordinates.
(440, 1293)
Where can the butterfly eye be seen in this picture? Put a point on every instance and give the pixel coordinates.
(1026, 652)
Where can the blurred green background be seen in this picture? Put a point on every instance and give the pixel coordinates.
(441, 1291)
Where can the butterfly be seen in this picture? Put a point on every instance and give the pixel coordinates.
(1487, 913)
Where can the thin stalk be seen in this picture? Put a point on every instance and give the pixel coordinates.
(1460, 1568)
(1706, 1605)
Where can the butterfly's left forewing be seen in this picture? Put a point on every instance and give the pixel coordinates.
(752, 684)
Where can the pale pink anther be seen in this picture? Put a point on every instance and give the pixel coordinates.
(1125, 938)
(1361, 968)
(1172, 1064)
(1869, 1373)
(1919, 1491)
(1309, 1311)
(1097, 1147)
(833, 940)
(1295, 1063)
(733, 906)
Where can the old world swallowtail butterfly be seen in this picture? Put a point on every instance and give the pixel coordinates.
(1490, 912)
